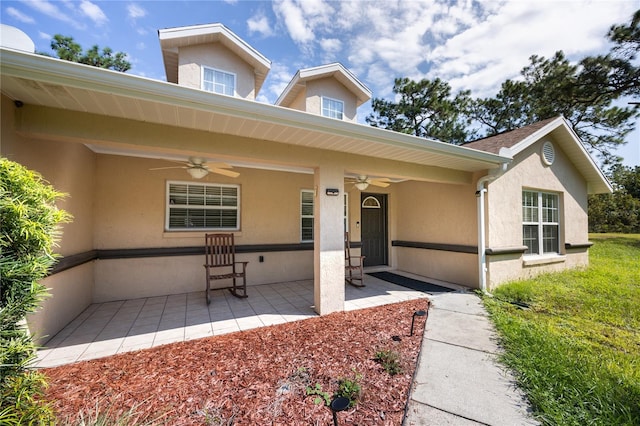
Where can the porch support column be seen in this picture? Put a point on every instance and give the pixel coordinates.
(328, 237)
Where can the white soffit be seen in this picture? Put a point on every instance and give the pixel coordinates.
(50, 82)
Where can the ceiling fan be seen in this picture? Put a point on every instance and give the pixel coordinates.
(362, 182)
(198, 168)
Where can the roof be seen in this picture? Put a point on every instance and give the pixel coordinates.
(513, 142)
(335, 70)
(171, 39)
(67, 86)
(507, 139)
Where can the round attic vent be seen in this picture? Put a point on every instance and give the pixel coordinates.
(548, 153)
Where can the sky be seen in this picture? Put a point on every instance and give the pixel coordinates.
(473, 45)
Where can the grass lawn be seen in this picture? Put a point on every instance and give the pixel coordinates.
(576, 348)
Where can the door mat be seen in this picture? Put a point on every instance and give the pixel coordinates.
(410, 282)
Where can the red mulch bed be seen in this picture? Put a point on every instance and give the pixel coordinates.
(254, 377)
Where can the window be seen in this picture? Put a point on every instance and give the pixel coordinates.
(306, 215)
(193, 207)
(540, 222)
(218, 81)
(332, 108)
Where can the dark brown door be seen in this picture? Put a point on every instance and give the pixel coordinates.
(374, 229)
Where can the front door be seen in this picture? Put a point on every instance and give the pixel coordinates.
(374, 229)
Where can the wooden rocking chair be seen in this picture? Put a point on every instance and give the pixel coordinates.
(220, 252)
(352, 264)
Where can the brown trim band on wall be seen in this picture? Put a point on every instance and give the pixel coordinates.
(570, 246)
(71, 261)
(456, 248)
(506, 250)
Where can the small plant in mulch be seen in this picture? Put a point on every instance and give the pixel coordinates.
(321, 396)
(389, 360)
(350, 387)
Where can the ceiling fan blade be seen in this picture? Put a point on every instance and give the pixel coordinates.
(224, 172)
(171, 167)
(377, 182)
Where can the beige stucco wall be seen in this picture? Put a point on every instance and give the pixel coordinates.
(118, 279)
(133, 216)
(68, 167)
(217, 56)
(504, 200)
(437, 213)
(330, 88)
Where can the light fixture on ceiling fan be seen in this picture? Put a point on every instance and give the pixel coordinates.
(198, 168)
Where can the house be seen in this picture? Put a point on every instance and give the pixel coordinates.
(151, 166)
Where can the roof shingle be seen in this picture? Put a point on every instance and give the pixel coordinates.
(507, 139)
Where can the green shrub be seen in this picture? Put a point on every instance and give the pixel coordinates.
(28, 231)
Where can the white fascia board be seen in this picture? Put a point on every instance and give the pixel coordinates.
(356, 85)
(56, 71)
(294, 81)
(212, 29)
(532, 138)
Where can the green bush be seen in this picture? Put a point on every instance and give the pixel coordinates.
(29, 222)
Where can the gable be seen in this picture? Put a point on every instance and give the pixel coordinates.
(515, 142)
(172, 39)
(336, 72)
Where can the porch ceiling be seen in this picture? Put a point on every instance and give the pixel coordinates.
(43, 81)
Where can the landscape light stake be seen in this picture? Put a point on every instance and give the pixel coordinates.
(413, 319)
(340, 403)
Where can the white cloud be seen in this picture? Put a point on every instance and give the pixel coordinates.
(496, 48)
(51, 10)
(93, 12)
(295, 22)
(259, 24)
(44, 36)
(331, 45)
(279, 76)
(16, 14)
(134, 11)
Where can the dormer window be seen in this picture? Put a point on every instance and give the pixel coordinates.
(332, 108)
(218, 81)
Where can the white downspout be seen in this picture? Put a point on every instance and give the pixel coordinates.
(481, 187)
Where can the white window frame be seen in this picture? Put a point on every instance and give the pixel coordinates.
(330, 111)
(312, 216)
(542, 216)
(307, 216)
(171, 204)
(215, 84)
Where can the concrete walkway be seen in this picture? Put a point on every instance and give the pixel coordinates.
(458, 380)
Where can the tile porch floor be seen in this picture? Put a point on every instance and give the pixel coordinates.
(110, 328)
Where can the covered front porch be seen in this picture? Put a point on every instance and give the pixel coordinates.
(109, 328)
